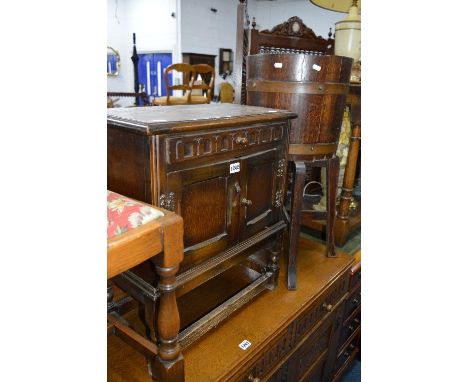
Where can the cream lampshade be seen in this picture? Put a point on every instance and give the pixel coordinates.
(348, 34)
(347, 31)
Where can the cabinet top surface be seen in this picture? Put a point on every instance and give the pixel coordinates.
(154, 119)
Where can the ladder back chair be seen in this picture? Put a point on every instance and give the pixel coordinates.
(185, 87)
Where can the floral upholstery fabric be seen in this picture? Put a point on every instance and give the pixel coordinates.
(124, 214)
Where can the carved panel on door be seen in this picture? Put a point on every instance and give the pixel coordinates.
(199, 200)
(206, 199)
(259, 191)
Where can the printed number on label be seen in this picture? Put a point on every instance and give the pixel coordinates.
(234, 167)
(244, 345)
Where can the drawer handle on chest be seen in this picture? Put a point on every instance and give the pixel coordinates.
(251, 378)
(328, 307)
(246, 202)
(242, 141)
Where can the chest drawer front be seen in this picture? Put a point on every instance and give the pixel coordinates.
(209, 144)
(347, 353)
(315, 346)
(321, 307)
(350, 326)
(354, 301)
(270, 358)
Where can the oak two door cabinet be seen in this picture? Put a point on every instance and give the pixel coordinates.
(223, 169)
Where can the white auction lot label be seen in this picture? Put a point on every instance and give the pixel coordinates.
(244, 345)
(234, 167)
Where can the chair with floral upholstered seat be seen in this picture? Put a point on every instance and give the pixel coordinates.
(137, 232)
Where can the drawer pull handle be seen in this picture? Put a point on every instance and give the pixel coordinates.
(351, 328)
(246, 202)
(328, 307)
(251, 378)
(355, 301)
(242, 141)
(356, 321)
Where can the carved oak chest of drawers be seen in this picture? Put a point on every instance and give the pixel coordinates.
(222, 168)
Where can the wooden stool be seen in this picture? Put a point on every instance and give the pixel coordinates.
(315, 88)
(137, 232)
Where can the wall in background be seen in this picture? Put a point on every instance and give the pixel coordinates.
(155, 28)
(195, 28)
(271, 13)
(205, 31)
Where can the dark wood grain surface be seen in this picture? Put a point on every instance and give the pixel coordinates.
(151, 120)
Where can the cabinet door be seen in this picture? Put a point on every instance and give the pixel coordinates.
(261, 191)
(207, 199)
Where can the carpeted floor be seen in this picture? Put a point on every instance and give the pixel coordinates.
(354, 373)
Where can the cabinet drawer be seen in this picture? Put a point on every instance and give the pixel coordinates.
(350, 326)
(312, 349)
(354, 301)
(268, 360)
(208, 144)
(324, 304)
(347, 353)
(316, 375)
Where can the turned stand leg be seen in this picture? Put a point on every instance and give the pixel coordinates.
(342, 218)
(169, 363)
(333, 168)
(294, 226)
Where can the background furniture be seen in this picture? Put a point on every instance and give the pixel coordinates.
(137, 232)
(293, 37)
(226, 93)
(204, 88)
(223, 169)
(314, 86)
(198, 58)
(225, 61)
(294, 335)
(186, 87)
(141, 98)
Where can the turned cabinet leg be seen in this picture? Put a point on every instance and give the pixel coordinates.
(294, 226)
(333, 167)
(169, 363)
(275, 254)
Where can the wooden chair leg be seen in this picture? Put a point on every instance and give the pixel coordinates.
(294, 226)
(169, 363)
(333, 168)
